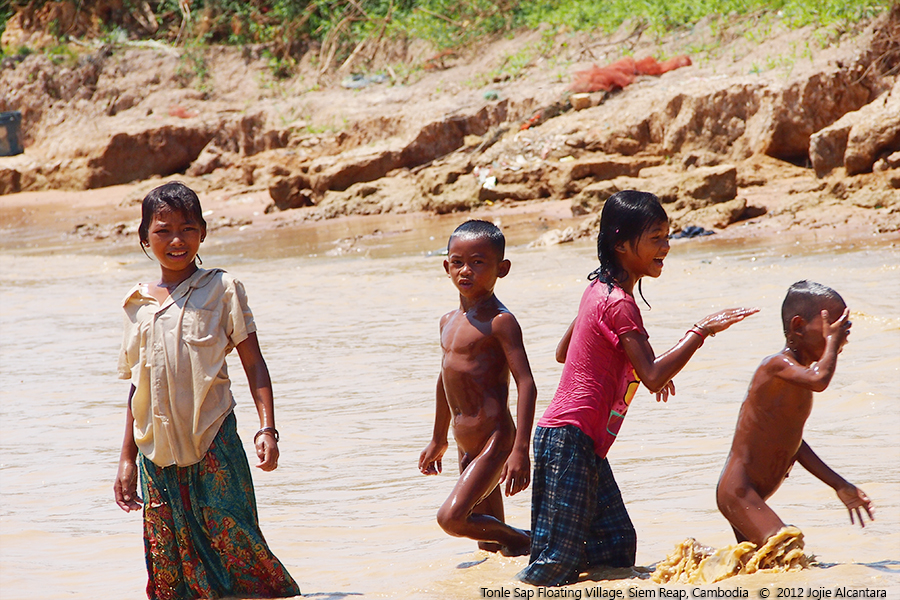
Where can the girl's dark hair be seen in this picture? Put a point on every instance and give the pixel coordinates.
(169, 196)
(625, 216)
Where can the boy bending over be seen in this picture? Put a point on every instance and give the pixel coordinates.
(769, 434)
(481, 344)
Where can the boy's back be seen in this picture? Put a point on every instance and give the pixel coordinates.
(770, 426)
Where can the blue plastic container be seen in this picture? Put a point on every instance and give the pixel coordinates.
(10, 133)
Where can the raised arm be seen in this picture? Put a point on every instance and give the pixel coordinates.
(817, 376)
(430, 460)
(261, 389)
(657, 371)
(853, 498)
(517, 470)
(125, 486)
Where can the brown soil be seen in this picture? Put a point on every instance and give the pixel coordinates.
(727, 143)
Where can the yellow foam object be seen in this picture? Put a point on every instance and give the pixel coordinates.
(691, 562)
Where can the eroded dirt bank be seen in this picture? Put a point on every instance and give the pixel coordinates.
(782, 135)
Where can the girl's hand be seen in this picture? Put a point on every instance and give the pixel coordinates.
(267, 451)
(125, 487)
(722, 320)
(663, 394)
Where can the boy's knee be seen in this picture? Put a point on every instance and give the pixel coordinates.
(451, 522)
(732, 504)
(729, 495)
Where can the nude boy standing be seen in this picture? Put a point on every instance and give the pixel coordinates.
(481, 344)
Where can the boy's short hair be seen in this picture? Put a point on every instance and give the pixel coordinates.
(169, 196)
(475, 229)
(806, 299)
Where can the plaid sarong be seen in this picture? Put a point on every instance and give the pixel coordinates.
(578, 519)
(201, 531)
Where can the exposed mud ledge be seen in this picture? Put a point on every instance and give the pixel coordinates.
(717, 145)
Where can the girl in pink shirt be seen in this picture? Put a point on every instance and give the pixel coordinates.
(578, 518)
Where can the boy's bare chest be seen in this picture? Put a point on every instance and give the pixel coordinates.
(463, 338)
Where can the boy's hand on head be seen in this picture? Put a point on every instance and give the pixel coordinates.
(267, 451)
(516, 472)
(430, 458)
(856, 501)
(840, 328)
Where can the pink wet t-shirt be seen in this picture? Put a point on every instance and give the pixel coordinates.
(598, 380)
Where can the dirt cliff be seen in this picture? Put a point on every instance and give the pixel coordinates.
(788, 133)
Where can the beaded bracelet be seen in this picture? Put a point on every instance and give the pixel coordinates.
(271, 430)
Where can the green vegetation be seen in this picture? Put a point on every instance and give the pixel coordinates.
(62, 54)
(192, 68)
(289, 27)
(6, 11)
(664, 15)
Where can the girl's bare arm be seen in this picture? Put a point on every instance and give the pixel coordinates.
(657, 371)
(125, 487)
(261, 389)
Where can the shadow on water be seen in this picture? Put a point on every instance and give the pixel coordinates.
(885, 566)
(613, 574)
(470, 563)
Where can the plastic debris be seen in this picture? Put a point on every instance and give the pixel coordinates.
(692, 231)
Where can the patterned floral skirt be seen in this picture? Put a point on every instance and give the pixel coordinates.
(201, 530)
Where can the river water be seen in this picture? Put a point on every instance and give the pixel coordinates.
(349, 332)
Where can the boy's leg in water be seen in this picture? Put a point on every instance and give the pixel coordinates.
(750, 517)
(740, 537)
(612, 540)
(479, 477)
(564, 498)
(491, 506)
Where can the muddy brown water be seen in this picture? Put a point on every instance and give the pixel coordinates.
(349, 330)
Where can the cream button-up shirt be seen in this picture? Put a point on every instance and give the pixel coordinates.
(174, 356)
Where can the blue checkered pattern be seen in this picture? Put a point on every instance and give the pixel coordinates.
(578, 519)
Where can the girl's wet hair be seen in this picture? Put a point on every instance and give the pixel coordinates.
(170, 196)
(475, 229)
(625, 217)
(807, 299)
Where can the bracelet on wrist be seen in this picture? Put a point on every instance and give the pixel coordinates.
(704, 331)
(697, 331)
(271, 430)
